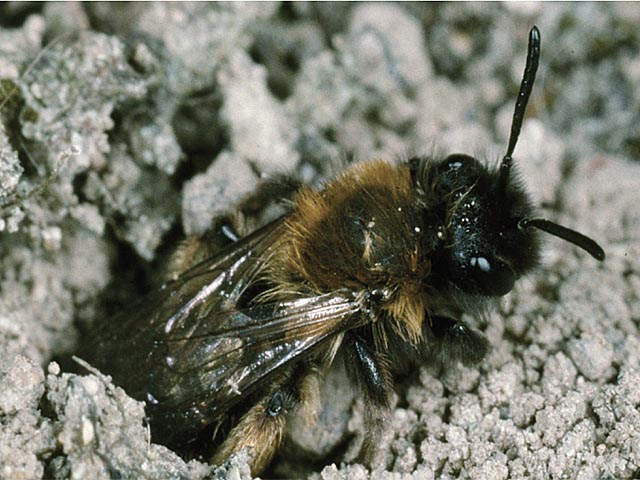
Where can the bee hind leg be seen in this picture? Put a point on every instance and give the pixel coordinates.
(261, 430)
(372, 372)
(263, 427)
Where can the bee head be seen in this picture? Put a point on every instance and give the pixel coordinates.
(491, 238)
(485, 248)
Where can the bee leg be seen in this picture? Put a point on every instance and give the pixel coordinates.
(196, 248)
(308, 393)
(372, 372)
(278, 188)
(455, 340)
(226, 231)
(261, 429)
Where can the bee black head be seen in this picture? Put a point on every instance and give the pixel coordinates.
(490, 235)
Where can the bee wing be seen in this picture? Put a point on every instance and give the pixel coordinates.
(212, 285)
(227, 356)
(192, 353)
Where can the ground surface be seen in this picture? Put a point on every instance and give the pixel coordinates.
(121, 125)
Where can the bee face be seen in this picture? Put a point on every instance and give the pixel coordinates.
(485, 250)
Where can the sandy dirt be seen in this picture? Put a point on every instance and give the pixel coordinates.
(126, 126)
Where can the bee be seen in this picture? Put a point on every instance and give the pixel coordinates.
(378, 265)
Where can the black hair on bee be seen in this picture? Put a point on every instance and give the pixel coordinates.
(379, 264)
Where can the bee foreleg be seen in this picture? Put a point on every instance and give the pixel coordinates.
(374, 376)
(455, 340)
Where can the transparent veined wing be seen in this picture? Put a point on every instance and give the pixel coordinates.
(192, 353)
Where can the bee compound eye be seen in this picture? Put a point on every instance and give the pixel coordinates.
(275, 404)
(494, 276)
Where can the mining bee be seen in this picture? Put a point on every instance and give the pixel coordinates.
(378, 265)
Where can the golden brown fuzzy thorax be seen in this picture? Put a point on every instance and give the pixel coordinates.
(362, 231)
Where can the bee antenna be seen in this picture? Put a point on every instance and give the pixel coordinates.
(578, 239)
(528, 78)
